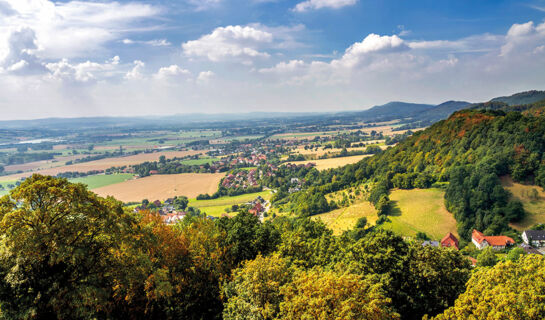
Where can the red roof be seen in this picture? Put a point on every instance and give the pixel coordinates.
(492, 240)
(449, 240)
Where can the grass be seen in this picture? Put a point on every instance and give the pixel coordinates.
(534, 207)
(324, 164)
(343, 219)
(216, 207)
(102, 180)
(420, 210)
(196, 162)
(4, 184)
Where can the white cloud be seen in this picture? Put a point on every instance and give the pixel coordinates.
(171, 71)
(153, 43)
(372, 44)
(73, 29)
(238, 42)
(81, 72)
(136, 72)
(319, 4)
(205, 76)
(523, 38)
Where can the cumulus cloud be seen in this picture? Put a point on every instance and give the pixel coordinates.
(171, 71)
(81, 72)
(204, 77)
(73, 29)
(19, 52)
(231, 42)
(136, 71)
(319, 4)
(523, 38)
(372, 44)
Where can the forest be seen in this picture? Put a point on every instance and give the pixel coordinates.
(67, 253)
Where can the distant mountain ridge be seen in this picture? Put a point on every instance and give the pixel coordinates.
(526, 97)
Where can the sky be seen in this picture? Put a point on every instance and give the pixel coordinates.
(138, 58)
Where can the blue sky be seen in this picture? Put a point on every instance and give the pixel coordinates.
(87, 58)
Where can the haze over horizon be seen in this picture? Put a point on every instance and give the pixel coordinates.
(136, 58)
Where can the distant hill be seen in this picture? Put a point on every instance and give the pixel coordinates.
(521, 98)
(394, 110)
(440, 111)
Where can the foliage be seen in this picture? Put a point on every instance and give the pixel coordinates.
(487, 257)
(510, 290)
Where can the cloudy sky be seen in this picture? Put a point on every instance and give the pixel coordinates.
(130, 57)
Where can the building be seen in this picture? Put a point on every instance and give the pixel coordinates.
(535, 238)
(496, 242)
(450, 241)
(430, 243)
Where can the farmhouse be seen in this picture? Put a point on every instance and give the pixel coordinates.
(449, 241)
(496, 242)
(534, 238)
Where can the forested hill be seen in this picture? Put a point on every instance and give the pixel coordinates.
(470, 150)
(521, 98)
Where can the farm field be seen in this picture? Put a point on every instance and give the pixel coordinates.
(534, 206)
(104, 164)
(343, 219)
(162, 187)
(216, 207)
(324, 164)
(239, 138)
(5, 187)
(102, 180)
(420, 210)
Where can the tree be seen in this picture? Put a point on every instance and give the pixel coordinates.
(254, 292)
(515, 254)
(57, 240)
(509, 290)
(180, 203)
(162, 160)
(318, 294)
(487, 257)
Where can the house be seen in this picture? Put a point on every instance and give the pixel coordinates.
(535, 238)
(496, 242)
(153, 172)
(257, 209)
(172, 218)
(449, 241)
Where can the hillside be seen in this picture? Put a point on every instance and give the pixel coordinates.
(440, 111)
(521, 98)
(470, 150)
(394, 110)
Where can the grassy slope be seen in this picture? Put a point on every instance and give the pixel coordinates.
(420, 210)
(102, 180)
(413, 211)
(535, 208)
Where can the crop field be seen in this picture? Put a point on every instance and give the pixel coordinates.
(161, 187)
(216, 207)
(420, 210)
(102, 180)
(324, 164)
(343, 219)
(533, 202)
(239, 138)
(104, 164)
(200, 161)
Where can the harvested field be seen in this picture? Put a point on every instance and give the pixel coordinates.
(42, 164)
(161, 187)
(343, 219)
(333, 162)
(104, 164)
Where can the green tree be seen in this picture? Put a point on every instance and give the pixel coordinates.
(515, 254)
(180, 203)
(57, 240)
(254, 292)
(325, 295)
(487, 257)
(509, 290)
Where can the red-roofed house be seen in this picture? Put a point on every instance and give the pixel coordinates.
(257, 209)
(450, 241)
(496, 242)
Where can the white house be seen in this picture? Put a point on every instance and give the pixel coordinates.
(496, 242)
(535, 238)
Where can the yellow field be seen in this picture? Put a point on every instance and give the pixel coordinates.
(535, 208)
(324, 164)
(420, 210)
(104, 164)
(161, 187)
(345, 218)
